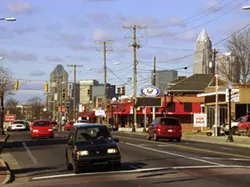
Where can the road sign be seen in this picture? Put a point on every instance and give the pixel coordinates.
(200, 120)
(150, 91)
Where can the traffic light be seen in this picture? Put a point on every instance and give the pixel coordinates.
(63, 95)
(46, 87)
(119, 91)
(88, 92)
(123, 90)
(16, 85)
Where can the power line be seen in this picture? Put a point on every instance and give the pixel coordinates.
(201, 25)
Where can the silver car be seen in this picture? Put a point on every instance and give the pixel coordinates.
(19, 125)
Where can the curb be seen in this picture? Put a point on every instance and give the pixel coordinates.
(197, 140)
(5, 140)
(8, 173)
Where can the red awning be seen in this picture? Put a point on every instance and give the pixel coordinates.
(87, 114)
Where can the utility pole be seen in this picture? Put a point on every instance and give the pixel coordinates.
(154, 82)
(216, 92)
(60, 100)
(104, 43)
(74, 88)
(135, 46)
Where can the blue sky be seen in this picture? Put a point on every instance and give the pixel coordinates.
(51, 32)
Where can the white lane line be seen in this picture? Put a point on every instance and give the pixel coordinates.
(29, 153)
(138, 171)
(218, 158)
(174, 154)
(226, 148)
(164, 145)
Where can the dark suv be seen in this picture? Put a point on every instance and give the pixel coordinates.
(89, 145)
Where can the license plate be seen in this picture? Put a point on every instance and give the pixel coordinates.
(170, 130)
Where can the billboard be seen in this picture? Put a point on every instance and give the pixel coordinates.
(146, 101)
(10, 117)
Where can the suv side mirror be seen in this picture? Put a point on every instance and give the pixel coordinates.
(116, 139)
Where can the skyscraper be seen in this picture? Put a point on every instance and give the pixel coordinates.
(58, 94)
(203, 54)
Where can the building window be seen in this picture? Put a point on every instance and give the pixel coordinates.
(171, 107)
(187, 107)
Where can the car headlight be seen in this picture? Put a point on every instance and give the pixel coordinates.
(82, 153)
(112, 151)
(35, 130)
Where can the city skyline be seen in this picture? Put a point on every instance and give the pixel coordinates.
(43, 37)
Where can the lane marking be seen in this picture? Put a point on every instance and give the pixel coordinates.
(226, 148)
(189, 148)
(29, 153)
(174, 154)
(138, 171)
(234, 159)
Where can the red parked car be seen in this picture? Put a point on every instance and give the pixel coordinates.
(244, 125)
(165, 128)
(42, 128)
(68, 126)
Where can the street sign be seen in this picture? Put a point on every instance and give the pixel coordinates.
(235, 95)
(100, 113)
(150, 91)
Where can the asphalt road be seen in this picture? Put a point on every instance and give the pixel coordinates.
(144, 163)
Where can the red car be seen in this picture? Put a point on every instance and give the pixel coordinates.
(42, 128)
(68, 126)
(165, 128)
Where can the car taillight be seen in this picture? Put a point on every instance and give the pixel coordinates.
(50, 130)
(158, 129)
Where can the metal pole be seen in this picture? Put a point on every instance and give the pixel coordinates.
(60, 112)
(230, 136)
(105, 80)
(165, 105)
(135, 78)
(2, 113)
(216, 93)
(74, 105)
(154, 83)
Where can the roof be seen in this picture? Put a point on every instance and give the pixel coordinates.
(203, 36)
(194, 83)
(89, 125)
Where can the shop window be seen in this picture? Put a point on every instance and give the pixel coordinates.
(171, 107)
(187, 107)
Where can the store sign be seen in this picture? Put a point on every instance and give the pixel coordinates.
(100, 113)
(200, 120)
(150, 91)
(235, 95)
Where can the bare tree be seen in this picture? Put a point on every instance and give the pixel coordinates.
(11, 105)
(6, 86)
(37, 106)
(239, 46)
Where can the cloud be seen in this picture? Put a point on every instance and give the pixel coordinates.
(72, 39)
(101, 35)
(213, 5)
(176, 22)
(27, 29)
(188, 36)
(54, 59)
(37, 73)
(16, 55)
(20, 8)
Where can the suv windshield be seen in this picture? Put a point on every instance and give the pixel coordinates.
(93, 134)
(170, 122)
(41, 123)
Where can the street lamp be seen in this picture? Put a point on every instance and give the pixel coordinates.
(230, 135)
(7, 19)
(1, 58)
(247, 7)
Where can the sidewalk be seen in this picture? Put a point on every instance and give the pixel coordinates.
(5, 174)
(239, 141)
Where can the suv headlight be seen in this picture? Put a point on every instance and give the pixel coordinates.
(112, 151)
(82, 153)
